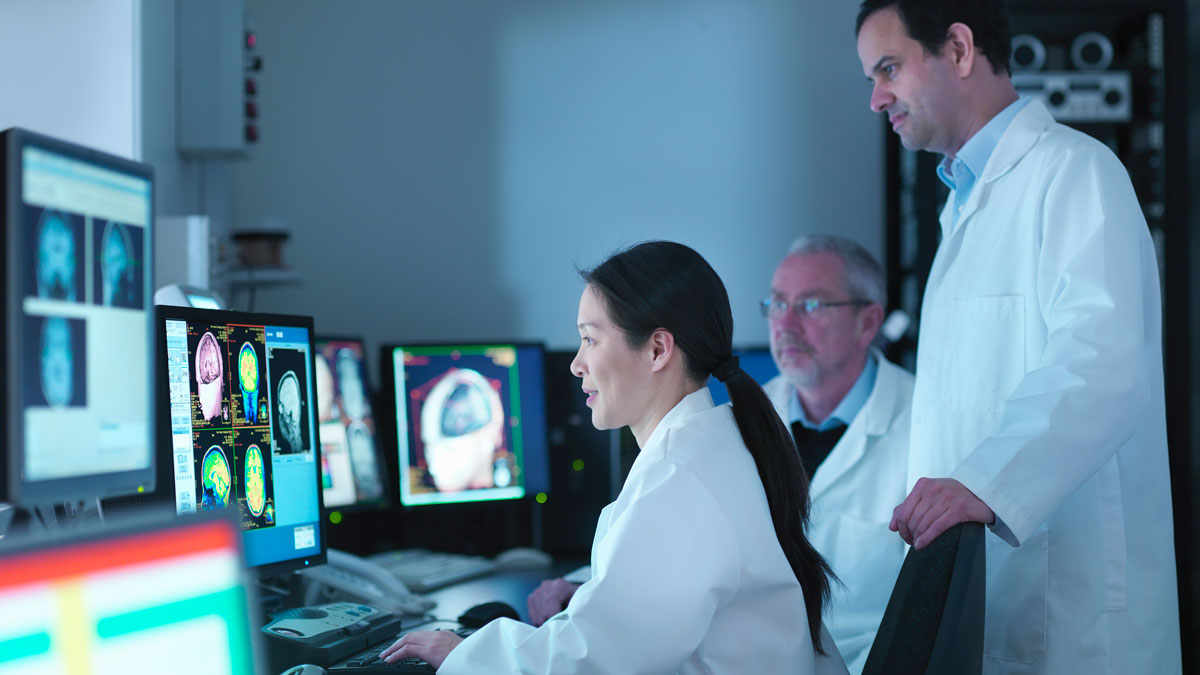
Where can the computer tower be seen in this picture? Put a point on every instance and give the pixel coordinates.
(584, 463)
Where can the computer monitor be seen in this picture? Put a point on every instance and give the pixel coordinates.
(75, 291)
(758, 364)
(352, 472)
(241, 429)
(164, 597)
(470, 421)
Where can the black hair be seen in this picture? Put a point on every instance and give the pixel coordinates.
(928, 22)
(663, 285)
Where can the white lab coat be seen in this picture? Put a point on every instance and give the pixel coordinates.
(853, 494)
(1040, 388)
(688, 575)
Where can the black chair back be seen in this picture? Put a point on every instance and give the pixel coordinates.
(933, 624)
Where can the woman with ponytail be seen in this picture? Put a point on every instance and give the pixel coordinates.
(701, 564)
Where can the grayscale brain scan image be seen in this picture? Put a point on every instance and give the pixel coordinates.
(56, 258)
(287, 403)
(117, 260)
(350, 385)
(362, 458)
(209, 371)
(325, 410)
(58, 362)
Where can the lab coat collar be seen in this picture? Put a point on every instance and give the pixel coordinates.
(695, 402)
(875, 419)
(1022, 133)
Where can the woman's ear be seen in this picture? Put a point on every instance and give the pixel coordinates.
(660, 349)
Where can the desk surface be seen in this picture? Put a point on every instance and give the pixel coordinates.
(508, 586)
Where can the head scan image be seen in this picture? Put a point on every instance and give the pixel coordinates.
(324, 388)
(287, 402)
(248, 381)
(256, 481)
(215, 479)
(56, 258)
(58, 362)
(462, 424)
(208, 376)
(350, 385)
(362, 458)
(116, 264)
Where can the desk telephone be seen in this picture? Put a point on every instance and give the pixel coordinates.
(349, 577)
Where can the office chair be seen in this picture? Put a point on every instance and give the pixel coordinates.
(934, 620)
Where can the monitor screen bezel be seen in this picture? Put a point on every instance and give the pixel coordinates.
(385, 502)
(16, 488)
(389, 424)
(162, 314)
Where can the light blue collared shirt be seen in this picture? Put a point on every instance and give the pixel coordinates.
(847, 409)
(960, 172)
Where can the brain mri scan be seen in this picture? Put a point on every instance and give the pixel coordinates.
(324, 388)
(256, 481)
(287, 402)
(208, 376)
(248, 381)
(351, 385)
(362, 458)
(214, 479)
(58, 362)
(56, 258)
(117, 265)
(462, 424)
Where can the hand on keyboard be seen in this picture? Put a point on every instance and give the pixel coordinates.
(431, 646)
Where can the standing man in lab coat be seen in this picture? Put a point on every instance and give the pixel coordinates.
(1039, 406)
(848, 409)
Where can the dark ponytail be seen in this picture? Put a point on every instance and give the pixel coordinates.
(662, 284)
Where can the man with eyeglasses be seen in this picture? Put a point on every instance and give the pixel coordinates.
(848, 409)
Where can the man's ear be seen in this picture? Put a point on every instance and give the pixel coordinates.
(870, 319)
(660, 349)
(960, 46)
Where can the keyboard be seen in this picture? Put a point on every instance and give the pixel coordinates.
(368, 662)
(423, 570)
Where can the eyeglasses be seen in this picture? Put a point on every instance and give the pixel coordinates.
(804, 306)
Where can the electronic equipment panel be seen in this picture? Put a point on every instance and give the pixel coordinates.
(470, 421)
(352, 473)
(171, 594)
(76, 287)
(241, 429)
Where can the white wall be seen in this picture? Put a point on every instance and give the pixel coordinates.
(444, 165)
(71, 71)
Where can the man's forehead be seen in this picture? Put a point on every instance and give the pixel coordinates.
(883, 35)
(808, 271)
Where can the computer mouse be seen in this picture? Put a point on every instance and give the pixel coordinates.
(523, 558)
(481, 615)
(305, 669)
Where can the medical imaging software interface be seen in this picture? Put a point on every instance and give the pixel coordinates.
(242, 431)
(459, 423)
(83, 322)
(171, 600)
(351, 474)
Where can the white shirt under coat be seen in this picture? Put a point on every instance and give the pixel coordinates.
(1040, 388)
(688, 575)
(853, 494)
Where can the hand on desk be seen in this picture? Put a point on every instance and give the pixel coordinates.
(432, 646)
(934, 506)
(549, 599)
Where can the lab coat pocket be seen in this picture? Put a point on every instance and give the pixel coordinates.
(1015, 629)
(986, 358)
(867, 560)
